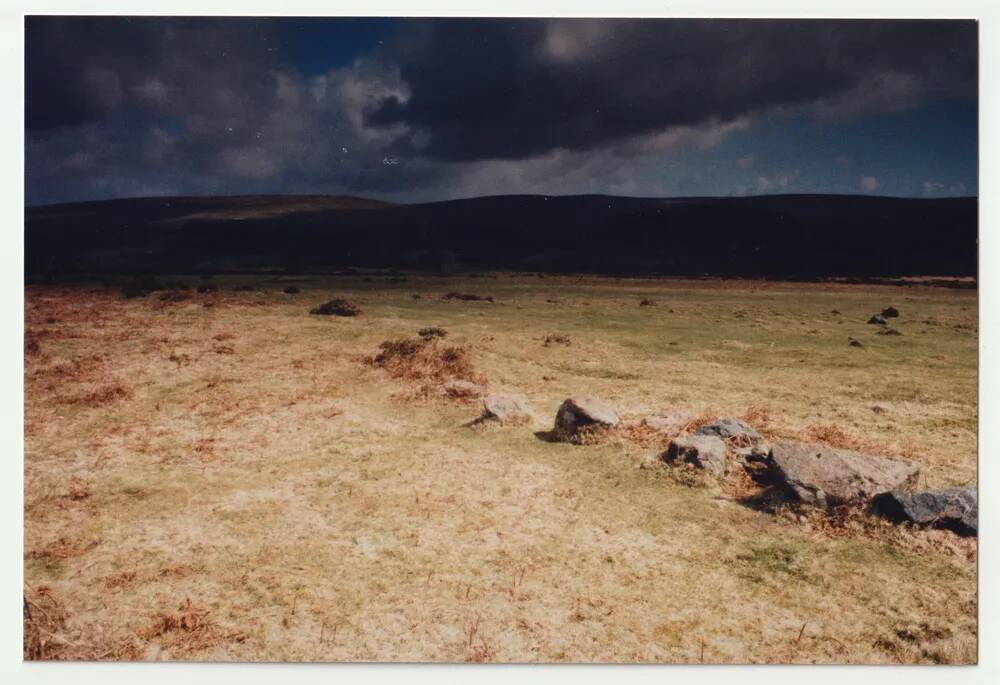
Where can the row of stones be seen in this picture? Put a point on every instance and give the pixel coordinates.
(815, 475)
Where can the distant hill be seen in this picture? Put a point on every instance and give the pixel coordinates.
(780, 236)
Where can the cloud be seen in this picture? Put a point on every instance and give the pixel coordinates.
(152, 92)
(938, 188)
(869, 184)
(779, 181)
(704, 136)
(512, 89)
(568, 41)
(248, 162)
(124, 106)
(119, 107)
(878, 93)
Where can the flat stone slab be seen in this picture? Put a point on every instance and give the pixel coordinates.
(956, 509)
(505, 408)
(459, 388)
(668, 421)
(707, 452)
(729, 427)
(826, 476)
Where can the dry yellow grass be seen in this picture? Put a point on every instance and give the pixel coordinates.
(285, 500)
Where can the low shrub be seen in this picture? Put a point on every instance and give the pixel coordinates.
(432, 332)
(424, 359)
(140, 286)
(467, 297)
(336, 307)
(557, 339)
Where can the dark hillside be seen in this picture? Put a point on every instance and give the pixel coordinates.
(791, 236)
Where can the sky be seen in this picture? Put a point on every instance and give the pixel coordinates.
(414, 110)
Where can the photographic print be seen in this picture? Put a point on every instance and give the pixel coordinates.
(500, 340)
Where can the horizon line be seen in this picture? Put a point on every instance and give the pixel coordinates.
(502, 195)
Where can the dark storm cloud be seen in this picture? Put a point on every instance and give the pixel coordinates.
(154, 106)
(149, 106)
(84, 69)
(67, 80)
(514, 89)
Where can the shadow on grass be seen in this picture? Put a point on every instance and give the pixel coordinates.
(478, 421)
(768, 500)
(547, 436)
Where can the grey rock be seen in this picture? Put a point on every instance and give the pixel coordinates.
(459, 388)
(581, 412)
(706, 452)
(755, 453)
(730, 428)
(956, 509)
(505, 408)
(668, 421)
(826, 476)
(877, 319)
(739, 434)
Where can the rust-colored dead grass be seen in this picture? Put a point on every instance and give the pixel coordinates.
(698, 421)
(44, 625)
(640, 434)
(759, 416)
(32, 346)
(188, 629)
(64, 548)
(78, 489)
(837, 436)
(117, 581)
(102, 394)
(590, 434)
(425, 359)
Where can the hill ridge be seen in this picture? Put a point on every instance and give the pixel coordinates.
(801, 236)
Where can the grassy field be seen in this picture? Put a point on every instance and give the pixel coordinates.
(226, 478)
